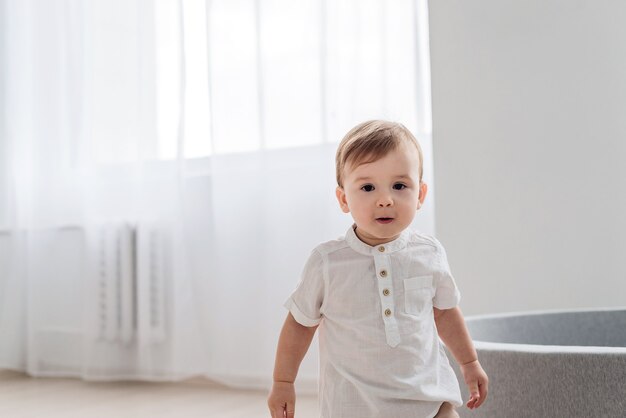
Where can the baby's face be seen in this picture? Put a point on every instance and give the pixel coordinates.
(383, 195)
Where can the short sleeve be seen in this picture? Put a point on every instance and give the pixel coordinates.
(306, 300)
(447, 295)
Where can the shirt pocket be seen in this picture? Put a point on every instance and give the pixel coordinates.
(418, 295)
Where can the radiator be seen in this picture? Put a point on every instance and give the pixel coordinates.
(133, 270)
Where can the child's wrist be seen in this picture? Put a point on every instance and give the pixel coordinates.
(467, 363)
(291, 382)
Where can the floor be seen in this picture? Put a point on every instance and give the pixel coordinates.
(25, 397)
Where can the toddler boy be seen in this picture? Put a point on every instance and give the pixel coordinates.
(382, 297)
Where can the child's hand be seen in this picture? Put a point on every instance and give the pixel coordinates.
(477, 382)
(282, 400)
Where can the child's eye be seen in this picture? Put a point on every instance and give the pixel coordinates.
(399, 186)
(367, 188)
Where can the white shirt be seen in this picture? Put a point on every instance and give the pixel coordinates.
(380, 354)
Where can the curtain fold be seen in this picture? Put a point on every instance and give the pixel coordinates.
(166, 168)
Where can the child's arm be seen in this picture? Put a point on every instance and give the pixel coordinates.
(293, 344)
(454, 334)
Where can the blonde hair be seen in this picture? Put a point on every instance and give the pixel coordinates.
(369, 141)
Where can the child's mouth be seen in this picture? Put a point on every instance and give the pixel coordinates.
(384, 220)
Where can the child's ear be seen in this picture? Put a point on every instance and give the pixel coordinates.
(422, 195)
(341, 198)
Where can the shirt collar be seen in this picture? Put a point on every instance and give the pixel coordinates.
(389, 247)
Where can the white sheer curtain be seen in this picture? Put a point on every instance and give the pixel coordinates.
(166, 167)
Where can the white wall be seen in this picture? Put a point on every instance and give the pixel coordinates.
(529, 139)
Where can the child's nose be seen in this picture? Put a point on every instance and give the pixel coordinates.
(385, 201)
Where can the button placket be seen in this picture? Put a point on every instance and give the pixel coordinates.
(385, 285)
